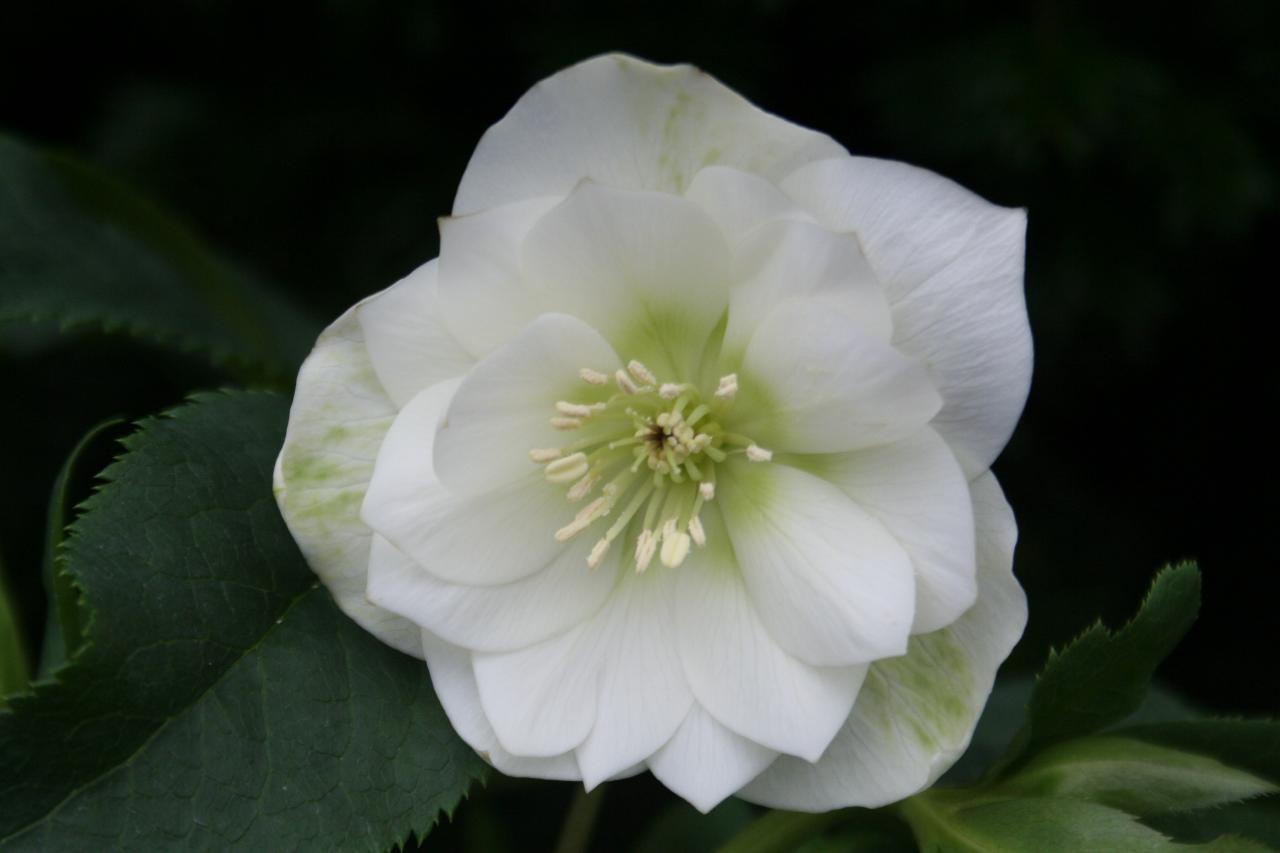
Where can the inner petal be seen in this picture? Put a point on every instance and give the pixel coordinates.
(650, 271)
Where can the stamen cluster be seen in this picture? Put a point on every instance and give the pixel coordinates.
(654, 446)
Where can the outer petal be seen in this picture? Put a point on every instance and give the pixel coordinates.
(739, 673)
(492, 618)
(488, 539)
(483, 296)
(504, 406)
(812, 384)
(339, 417)
(915, 714)
(783, 260)
(455, 684)
(915, 488)
(643, 694)
(649, 270)
(953, 266)
(829, 582)
(629, 124)
(704, 762)
(612, 687)
(407, 342)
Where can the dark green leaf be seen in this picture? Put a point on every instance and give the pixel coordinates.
(1028, 825)
(13, 653)
(1006, 712)
(63, 628)
(82, 251)
(220, 699)
(1253, 745)
(1102, 676)
(1133, 776)
(1255, 819)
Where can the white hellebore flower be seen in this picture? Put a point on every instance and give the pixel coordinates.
(677, 457)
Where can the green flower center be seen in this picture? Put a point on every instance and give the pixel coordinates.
(652, 449)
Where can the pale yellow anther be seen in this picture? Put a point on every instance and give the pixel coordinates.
(697, 531)
(577, 410)
(597, 553)
(642, 374)
(674, 549)
(593, 377)
(756, 453)
(646, 547)
(707, 490)
(566, 423)
(580, 489)
(728, 387)
(542, 455)
(625, 382)
(670, 390)
(566, 470)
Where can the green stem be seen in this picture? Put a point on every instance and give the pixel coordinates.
(575, 833)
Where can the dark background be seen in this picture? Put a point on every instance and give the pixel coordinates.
(317, 143)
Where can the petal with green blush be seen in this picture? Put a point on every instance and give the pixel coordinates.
(631, 124)
(916, 713)
(340, 415)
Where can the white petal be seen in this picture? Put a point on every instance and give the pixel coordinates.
(737, 670)
(783, 260)
(407, 342)
(493, 618)
(630, 124)
(738, 201)
(455, 684)
(916, 489)
(541, 700)
(704, 762)
(650, 271)
(813, 384)
(612, 687)
(339, 416)
(505, 404)
(829, 582)
(953, 265)
(494, 538)
(915, 714)
(643, 694)
(483, 295)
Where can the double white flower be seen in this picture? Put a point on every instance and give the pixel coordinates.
(677, 457)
